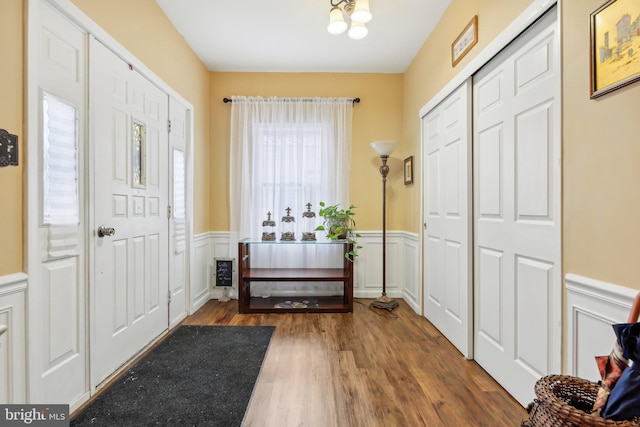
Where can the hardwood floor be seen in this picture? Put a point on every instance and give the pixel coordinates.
(363, 369)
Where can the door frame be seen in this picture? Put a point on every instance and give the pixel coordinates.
(33, 186)
(529, 16)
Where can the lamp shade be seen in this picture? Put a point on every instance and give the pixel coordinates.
(336, 21)
(384, 148)
(361, 12)
(357, 31)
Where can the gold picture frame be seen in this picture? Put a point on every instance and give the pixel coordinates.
(466, 40)
(614, 46)
(408, 170)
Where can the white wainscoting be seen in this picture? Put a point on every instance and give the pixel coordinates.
(410, 264)
(199, 288)
(13, 348)
(592, 307)
(402, 266)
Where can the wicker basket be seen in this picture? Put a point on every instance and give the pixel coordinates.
(566, 401)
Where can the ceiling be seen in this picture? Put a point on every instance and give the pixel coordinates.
(291, 35)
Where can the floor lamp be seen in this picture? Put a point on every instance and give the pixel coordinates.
(384, 150)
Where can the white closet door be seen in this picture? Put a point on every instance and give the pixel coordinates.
(517, 277)
(447, 224)
(130, 169)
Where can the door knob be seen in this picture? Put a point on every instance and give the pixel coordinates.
(106, 231)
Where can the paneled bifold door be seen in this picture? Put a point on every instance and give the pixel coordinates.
(517, 277)
(130, 166)
(447, 223)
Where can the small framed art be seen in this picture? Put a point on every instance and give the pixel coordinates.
(408, 170)
(465, 41)
(615, 46)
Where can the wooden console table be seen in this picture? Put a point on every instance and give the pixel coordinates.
(248, 277)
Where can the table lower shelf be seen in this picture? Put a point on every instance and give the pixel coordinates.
(301, 304)
(295, 274)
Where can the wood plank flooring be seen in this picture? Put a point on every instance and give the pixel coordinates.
(364, 369)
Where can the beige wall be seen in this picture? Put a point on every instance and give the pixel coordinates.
(155, 42)
(378, 116)
(142, 28)
(431, 70)
(601, 164)
(601, 149)
(11, 109)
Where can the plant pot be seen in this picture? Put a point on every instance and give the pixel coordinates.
(335, 229)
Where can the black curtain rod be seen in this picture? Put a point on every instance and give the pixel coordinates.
(228, 100)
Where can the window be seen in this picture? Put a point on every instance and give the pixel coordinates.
(138, 154)
(179, 206)
(290, 168)
(285, 153)
(60, 162)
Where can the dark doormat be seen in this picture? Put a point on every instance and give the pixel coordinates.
(197, 376)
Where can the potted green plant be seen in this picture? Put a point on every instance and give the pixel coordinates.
(339, 224)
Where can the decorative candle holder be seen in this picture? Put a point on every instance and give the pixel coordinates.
(288, 227)
(308, 225)
(268, 229)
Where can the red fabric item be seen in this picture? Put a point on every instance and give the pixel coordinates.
(610, 368)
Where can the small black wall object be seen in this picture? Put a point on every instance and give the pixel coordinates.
(224, 272)
(8, 148)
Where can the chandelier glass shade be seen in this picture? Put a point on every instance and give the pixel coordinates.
(337, 24)
(361, 12)
(358, 31)
(357, 12)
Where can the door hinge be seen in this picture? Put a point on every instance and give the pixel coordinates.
(169, 296)
(169, 125)
(168, 211)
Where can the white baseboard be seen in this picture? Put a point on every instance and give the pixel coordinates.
(592, 306)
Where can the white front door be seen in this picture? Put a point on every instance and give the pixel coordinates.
(178, 253)
(129, 117)
(447, 224)
(517, 274)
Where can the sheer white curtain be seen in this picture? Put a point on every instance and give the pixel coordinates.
(285, 153)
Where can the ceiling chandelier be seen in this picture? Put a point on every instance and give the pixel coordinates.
(357, 11)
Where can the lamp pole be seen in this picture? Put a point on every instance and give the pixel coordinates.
(384, 149)
(384, 171)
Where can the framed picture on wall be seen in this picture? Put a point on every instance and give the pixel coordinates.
(408, 170)
(615, 46)
(465, 41)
